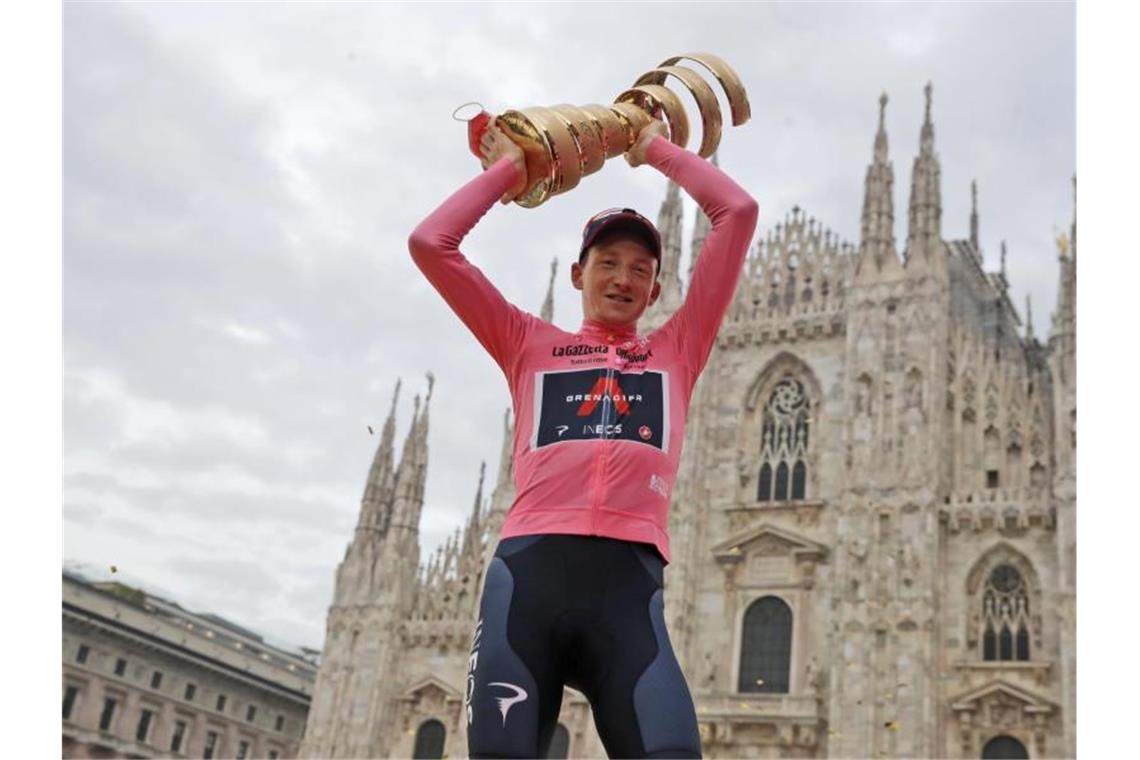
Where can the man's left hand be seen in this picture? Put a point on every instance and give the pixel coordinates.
(636, 155)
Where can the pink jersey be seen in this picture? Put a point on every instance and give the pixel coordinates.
(599, 413)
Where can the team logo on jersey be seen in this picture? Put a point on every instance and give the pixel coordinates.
(589, 404)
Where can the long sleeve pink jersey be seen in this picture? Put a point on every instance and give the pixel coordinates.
(599, 413)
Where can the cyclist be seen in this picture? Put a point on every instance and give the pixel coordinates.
(574, 593)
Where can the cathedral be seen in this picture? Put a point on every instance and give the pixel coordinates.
(873, 526)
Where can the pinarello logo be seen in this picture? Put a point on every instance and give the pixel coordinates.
(645, 432)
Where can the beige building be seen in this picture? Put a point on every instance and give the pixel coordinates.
(873, 527)
(143, 677)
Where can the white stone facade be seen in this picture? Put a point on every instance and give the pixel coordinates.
(929, 497)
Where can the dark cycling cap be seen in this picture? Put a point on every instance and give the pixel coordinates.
(626, 220)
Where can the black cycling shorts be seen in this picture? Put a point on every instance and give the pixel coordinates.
(587, 612)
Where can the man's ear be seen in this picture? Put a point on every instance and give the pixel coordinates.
(656, 291)
(576, 275)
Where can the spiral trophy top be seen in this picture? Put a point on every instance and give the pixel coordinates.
(564, 143)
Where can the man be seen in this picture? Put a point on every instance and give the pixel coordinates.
(574, 593)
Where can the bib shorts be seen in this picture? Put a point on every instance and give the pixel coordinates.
(585, 612)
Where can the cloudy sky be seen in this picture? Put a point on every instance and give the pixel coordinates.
(240, 181)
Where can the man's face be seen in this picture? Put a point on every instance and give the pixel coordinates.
(618, 280)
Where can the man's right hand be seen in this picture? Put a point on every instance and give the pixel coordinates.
(494, 145)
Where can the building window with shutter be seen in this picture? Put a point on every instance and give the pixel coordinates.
(142, 733)
(69, 697)
(178, 736)
(107, 717)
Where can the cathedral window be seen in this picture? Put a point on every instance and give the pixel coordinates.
(429, 740)
(799, 478)
(784, 442)
(765, 490)
(1004, 748)
(765, 653)
(782, 482)
(559, 744)
(991, 478)
(1005, 616)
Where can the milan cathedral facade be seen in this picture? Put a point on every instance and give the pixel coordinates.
(873, 527)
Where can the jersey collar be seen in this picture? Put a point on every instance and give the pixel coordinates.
(606, 333)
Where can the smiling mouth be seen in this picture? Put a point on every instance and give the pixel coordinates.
(620, 299)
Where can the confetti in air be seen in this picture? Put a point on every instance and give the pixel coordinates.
(369, 430)
(114, 569)
(759, 681)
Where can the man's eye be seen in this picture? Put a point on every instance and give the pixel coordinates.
(607, 264)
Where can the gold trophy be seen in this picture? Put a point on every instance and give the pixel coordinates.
(564, 143)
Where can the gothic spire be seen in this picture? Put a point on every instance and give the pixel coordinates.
(700, 232)
(878, 221)
(547, 312)
(377, 489)
(412, 474)
(479, 492)
(974, 217)
(1073, 227)
(924, 230)
(669, 225)
(1003, 255)
(1029, 319)
(881, 135)
(506, 455)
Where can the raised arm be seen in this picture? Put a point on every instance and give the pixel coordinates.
(733, 213)
(497, 324)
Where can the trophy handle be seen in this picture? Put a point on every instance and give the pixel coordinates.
(650, 98)
(733, 87)
(706, 102)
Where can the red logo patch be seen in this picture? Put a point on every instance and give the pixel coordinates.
(645, 433)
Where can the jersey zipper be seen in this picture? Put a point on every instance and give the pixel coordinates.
(607, 406)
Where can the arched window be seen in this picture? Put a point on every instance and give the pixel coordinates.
(429, 740)
(799, 478)
(1005, 615)
(764, 492)
(1004, 748)
(766, 649)
(784, 440)
(559, 744)
(782, 482)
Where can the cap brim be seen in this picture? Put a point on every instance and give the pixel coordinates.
(628, 225)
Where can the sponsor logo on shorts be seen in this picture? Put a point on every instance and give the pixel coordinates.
(505, 703)
(471, 662)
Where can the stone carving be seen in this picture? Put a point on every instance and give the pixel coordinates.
(908, 563)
